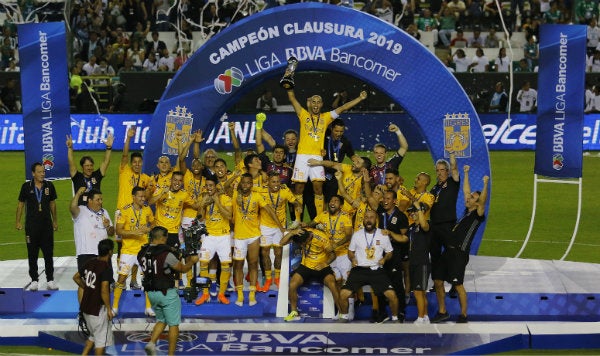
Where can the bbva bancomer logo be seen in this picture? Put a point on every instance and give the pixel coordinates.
(233, 77)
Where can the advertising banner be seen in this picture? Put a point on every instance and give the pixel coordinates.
(561, 83)
(45, 96)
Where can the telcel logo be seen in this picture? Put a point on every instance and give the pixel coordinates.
(509, 134)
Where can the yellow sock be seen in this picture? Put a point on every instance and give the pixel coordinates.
(213, 276)
(190, 276)
(117, 296)
(319, 202)
(268, 274)
(224, 279)
(240, 292)
(277, 273)
(148, 305)
(252, 294)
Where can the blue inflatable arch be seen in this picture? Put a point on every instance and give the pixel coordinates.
(326, 38)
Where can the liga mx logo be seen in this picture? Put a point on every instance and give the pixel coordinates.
(557, 161)
(233, 77)
(48, 161)
(178, 120)
(457, 135)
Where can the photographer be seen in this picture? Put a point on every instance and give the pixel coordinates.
(160, 285)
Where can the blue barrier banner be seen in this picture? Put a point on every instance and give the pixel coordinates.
(500, 132)
(45, 96)
(561, 86)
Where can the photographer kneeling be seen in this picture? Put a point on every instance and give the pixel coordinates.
(160, 263)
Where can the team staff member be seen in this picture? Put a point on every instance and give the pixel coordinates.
(394, 224)
(456, 255)
(317, 253)
(159, 282)
(133, 225)
(369, 250)
(443, 217)
(38, 197)
(94, 302)
(170, 202)
(313, 124)
(215, 208)
(88, 177)
(92, 224)
(420, 264)
(246, 233)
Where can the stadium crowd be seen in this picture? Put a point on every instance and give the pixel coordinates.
(109, 37)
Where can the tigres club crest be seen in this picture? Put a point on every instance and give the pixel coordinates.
(179, 119)
(457, 135)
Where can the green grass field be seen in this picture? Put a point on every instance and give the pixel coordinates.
(509, 215)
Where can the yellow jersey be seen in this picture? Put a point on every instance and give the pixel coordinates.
(216, 224)
(162, 181)
(426, 198)
(246, 222)
(353, 185)
(169, 210)
(194, 187)
(360, 215)
(316, 252)
(312, 132)
(127, 181)
(133, 219)
(335, 228)
(278, 201)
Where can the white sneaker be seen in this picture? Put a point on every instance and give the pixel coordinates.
(115, 312)
(33, 286)
(52, 285)
(419, 321)
(150, 348)
(149, 312)
(426, 319)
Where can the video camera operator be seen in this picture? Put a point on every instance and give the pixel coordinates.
(160, 262)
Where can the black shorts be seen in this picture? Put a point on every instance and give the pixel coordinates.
(455, 262)
(419, 276)
(361, 276)
(308, 273)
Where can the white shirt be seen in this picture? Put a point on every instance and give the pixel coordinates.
(89, 230)
(502, 64)
(527, 99)
(481, 63)
(462, 64)
(362, 240)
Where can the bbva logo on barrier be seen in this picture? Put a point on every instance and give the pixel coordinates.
(326, 38)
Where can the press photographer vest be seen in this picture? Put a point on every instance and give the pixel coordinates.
(152, 260)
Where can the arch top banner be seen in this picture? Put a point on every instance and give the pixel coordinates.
(326, 38)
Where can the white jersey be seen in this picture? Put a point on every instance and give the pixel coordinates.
(369, 248)
(89, 230)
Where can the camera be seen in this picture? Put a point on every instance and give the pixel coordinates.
(192, 237)
(191, 293)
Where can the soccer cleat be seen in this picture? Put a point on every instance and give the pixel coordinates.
(382, 318)
(202, 299)
(33, 286)
(440, 317)
(267, 286)
(52, 285)
(150, 348)
(292, 316)
(149, 312)
(135, 286)
(222, 299)
(462, 319)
